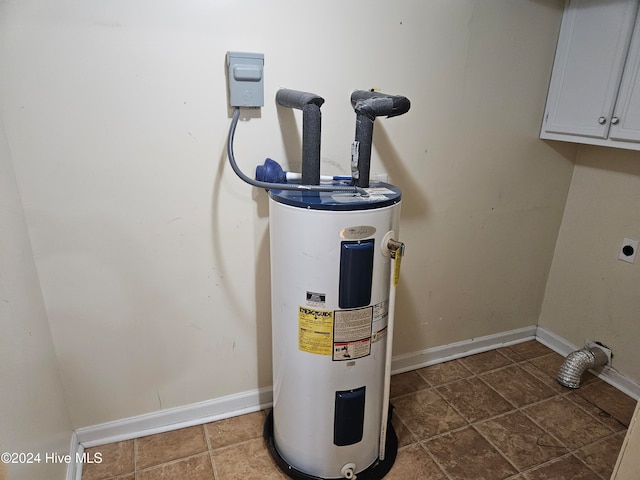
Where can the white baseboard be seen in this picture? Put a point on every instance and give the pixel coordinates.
(74, 471)
(254, 400)
(174, 418)
(432, 356)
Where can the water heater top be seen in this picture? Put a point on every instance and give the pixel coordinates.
(380, 195)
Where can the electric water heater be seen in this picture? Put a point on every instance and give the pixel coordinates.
(330, 273)
(334, 266)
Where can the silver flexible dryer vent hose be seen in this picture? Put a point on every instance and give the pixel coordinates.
(578, 362)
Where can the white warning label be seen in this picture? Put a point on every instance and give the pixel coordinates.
(352, 324)
(352, 333)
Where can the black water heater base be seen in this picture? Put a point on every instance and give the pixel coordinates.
(376, 471)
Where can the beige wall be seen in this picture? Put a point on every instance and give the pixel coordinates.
(33, 413)
(591, 294)
(153, 256)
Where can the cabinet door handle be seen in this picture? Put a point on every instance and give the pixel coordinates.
(602, 120)
(615, 120)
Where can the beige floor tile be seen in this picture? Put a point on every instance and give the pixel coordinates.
(465, 455)
(517, 386)
(609, 399)
(426, 414)
(405, 383)
(571, 425)
(164, 447)
(550, 364)
(474, 399)
(521, 441)
(193, 468)
(443, 373)
(405, 437)
(542, 374)
(236, 429)
(601, 457)
(414, 462)
(484, 362)
(246, 461)
(594, 411)
(525, 351)
(117, 459)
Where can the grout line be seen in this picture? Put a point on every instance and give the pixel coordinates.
(210, 450)
(233, 445)
(172, 462)
(135, 459)
(549, 462)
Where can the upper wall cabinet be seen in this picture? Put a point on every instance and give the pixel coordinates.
(594, 94)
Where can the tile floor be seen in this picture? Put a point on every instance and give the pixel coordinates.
(491, 416)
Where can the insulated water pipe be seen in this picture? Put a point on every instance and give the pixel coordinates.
(368, 105)
(310, 104)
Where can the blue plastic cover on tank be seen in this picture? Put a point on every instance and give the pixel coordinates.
(380, 195)
(356, 273)
(348, 422)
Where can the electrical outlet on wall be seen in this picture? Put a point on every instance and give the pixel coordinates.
(628, 250)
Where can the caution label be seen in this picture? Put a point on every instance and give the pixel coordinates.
(315, 331)
(351, 350)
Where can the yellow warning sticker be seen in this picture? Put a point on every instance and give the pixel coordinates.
(315, 331)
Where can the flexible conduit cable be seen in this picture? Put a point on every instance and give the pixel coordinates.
(279, 186)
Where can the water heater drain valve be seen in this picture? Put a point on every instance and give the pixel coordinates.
(348, 471)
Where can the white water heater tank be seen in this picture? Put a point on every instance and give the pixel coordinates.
(330, 307)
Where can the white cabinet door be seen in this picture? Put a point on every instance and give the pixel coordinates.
(592, 48)
(625, 123)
